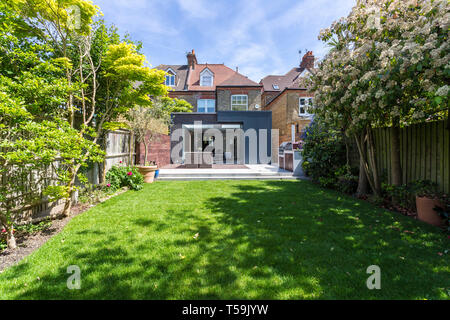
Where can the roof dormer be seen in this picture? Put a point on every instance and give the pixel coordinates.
(170, 77)
(206, 78)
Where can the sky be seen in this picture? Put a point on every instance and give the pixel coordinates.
(260, 37)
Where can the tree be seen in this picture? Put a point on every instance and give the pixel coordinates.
(119, 67)
(388, 67)
(145, 127)
(148, 124)
(31, 88)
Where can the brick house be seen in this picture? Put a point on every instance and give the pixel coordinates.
(288, 101)
(221, 97)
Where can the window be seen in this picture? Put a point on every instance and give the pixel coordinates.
(239, 102)
(276, 87)
(304, 104)
(206, 105)
(206, 78)
(170, 80)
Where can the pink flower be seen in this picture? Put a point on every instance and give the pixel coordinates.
(120, 162)
(3, 230)
(108, 185)
(130, 173)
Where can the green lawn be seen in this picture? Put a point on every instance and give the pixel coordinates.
(256, 240)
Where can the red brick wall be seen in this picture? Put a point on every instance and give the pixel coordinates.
(158, 151)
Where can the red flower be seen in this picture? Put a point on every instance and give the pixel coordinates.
(130, 173)
(120, 162)
(108, 185)
(3, 230)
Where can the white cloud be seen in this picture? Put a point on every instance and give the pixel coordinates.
(198, 8)
(261, 37)
(136, 16)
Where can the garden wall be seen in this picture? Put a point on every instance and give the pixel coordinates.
(158, 151)
(424, 153)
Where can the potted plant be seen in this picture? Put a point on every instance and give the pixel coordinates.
(427, 200)
(147, 125)
(148, 171)
(444, 212)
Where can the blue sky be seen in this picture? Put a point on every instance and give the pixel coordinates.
(260, 37)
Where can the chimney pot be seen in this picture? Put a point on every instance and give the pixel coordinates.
(308, 60)
(192, 59)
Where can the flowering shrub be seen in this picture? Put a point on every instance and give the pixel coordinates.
(388, 66)
(323, 153)
(124, 176)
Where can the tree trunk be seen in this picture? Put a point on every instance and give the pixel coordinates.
(366, 150)
(145, 152)
(347, 152)
(102, 166)
(103, 172)
(70, 190)
(363, 184)
(10, 239)
(373, 163)
(132, 145)
(396, 166)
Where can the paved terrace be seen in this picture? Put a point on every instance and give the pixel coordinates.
(227, 172)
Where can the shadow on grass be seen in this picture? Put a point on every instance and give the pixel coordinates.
(265, 240)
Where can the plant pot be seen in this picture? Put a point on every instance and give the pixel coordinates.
(148, 172)
(426, 213)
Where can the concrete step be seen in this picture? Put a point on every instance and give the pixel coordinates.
(227, 174)
(228, 177)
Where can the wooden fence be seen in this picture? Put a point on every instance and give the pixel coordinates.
(424, 153)
(117, 149)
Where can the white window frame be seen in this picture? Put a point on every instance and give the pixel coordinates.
(206, 108)
(305, 106)
(240, 95)
(172, 76)
(206, 73)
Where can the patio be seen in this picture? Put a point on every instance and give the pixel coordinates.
(226, 172)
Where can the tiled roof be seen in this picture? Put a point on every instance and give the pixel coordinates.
(189, 78)
(289, 80)
(293, 78)
(181, 74)
(223, 76)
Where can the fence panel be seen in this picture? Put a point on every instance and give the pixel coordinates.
(424, 153)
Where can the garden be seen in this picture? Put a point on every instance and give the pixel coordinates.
(65, 84)
(235, 240)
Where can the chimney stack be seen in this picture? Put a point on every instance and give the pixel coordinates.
(237, 69)
(308, 60)
(191, 59)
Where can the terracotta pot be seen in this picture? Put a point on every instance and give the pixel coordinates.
(426, 213)
(148, 172)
